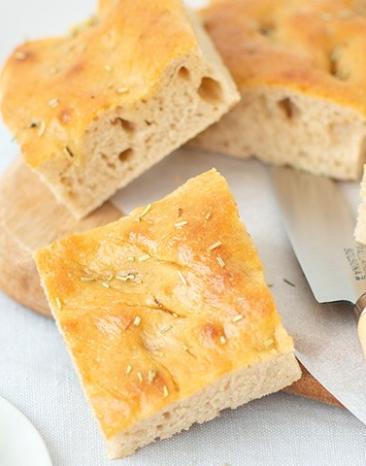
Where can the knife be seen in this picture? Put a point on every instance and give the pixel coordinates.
(320, 225)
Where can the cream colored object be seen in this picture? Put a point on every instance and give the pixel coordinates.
(299, 67)
(285, 127)
(95, 109)
(167, 315)
(360, 232)
(362, 331)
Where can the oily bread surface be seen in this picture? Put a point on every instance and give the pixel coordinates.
(301, 76)
(314, 47)
(95, 109)
(179, 286)
(106, 62)
(23, 230)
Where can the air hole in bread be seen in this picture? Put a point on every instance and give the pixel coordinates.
(125, 155)
(288, 108)
(107, 162)
(167, 416)
(210, 90)
(266, 30)
(184, 73)
(71, 194)
(127, 125)
(335, 68)
(66, 181)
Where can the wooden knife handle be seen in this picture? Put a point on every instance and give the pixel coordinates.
(362, 330)
(360, 310)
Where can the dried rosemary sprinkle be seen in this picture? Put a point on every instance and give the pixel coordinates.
(140, 377)
(165, 391)
(68, 152)
(109, 276)
(58, 303)
(129, 369)
(137, 321)
(42, 128)
(268, 342)
(122, 90)
(151, 375)
(222, 339)
(92, 21)
(131, 259)
(237, 318)
(87, 279)
(215, 245)
(144, 212)
(53, 103)
(208, 216)
(128, 276)
(289, 283)
(144, 258)
(182, 278)
(220, 261)
(106, 285)
(181, 224)
(20, 56)
(166, 329)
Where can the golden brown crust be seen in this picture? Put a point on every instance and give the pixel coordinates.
(313, 47)
(51, 90)
(162, 303)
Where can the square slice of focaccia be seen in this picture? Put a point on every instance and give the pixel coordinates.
(167, 315)
(95, 109)
(301, 71)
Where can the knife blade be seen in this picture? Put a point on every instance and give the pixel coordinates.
(320, 224)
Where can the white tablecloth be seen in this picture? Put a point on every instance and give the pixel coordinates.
(36, 374)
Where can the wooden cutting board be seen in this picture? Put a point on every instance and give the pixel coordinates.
(30, 218)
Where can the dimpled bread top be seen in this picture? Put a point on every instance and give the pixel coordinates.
(52, 89)
(162, 303)
(315, 46)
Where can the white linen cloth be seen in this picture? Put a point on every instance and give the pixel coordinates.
(36, 374)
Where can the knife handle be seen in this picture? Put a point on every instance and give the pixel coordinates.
(360, 310)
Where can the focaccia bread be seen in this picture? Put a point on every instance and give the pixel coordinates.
(96, 108)
(167, 315)
(301, 70)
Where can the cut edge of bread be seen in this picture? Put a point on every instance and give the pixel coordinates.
(230, 391)
(269, 375)
(122, 143)
(286, 127)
